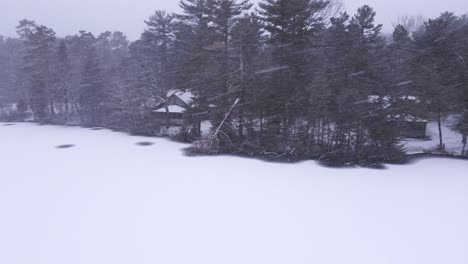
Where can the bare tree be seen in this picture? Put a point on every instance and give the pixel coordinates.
(411, 23)
(333, 9)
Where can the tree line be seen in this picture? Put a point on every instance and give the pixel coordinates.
(289, 78)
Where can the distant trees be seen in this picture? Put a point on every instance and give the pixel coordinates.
(62, 77)
(38, 41)
(460, 50)
(62, 80)
(111, 48)
(92, 94)
(437, 66)
(10, 82)
(293, 28)
(247, 43)
(308, 80)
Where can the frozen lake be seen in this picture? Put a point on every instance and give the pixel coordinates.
(83, 196)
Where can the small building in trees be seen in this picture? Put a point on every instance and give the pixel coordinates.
(402, 114)
(171, 112)
(409, 126)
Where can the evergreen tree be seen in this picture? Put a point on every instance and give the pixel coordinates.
(247, 42)
(157, 41)
(112, 48)
(460, 51)
(400, 52)
(63, 77)
(225, 13)
(365, 77)
(434, 67)
(92, 94)
(38, 41)
(292, 26)
(201, 67)
(366, 40)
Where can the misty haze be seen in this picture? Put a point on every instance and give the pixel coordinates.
(233, 131)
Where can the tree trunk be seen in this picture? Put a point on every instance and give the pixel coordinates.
(52, 108)
(313, 132)
(241, 123)
(199, 129)
(242, 92)
(261, 124)
(308, 134)
(439, 123)
(464, 145)
(250, 130)
(67, 109)
(167, 117)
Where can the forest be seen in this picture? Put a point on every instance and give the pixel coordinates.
(284, 79)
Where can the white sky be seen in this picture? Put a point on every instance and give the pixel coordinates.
(68, 16)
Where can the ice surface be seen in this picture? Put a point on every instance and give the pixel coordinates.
(109, 201)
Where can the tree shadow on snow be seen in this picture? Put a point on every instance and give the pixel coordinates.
(415, 158)
(288, 159)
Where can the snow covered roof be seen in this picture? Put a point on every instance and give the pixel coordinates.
(187, 97)
(172, 109)
(411, 98)
(407, 118)
(387, 100)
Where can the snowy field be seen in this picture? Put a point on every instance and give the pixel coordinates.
(109, 200)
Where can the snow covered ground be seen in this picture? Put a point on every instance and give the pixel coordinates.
(109, 200)
(452, 140)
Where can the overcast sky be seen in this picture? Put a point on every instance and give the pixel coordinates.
(68, 16)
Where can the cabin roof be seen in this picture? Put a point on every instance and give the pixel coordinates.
(172, 109)
(407, 118)
(185, 96)
(387, 99)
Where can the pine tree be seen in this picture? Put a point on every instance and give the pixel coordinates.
(247, 41)
(38, 41)
(92, 94)
(225, 13)
(78, 47)
(63, 78)
(460, 52)
(292, 26)
(157, 41)
(337, 68)
(400, 55)
(112, 49)
(366, 40)
(13, 78)
(199, 66)
(434, 67)
(365, 77)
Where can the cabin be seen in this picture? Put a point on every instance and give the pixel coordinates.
(406, 123)
(409, 126)
(172, 111)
